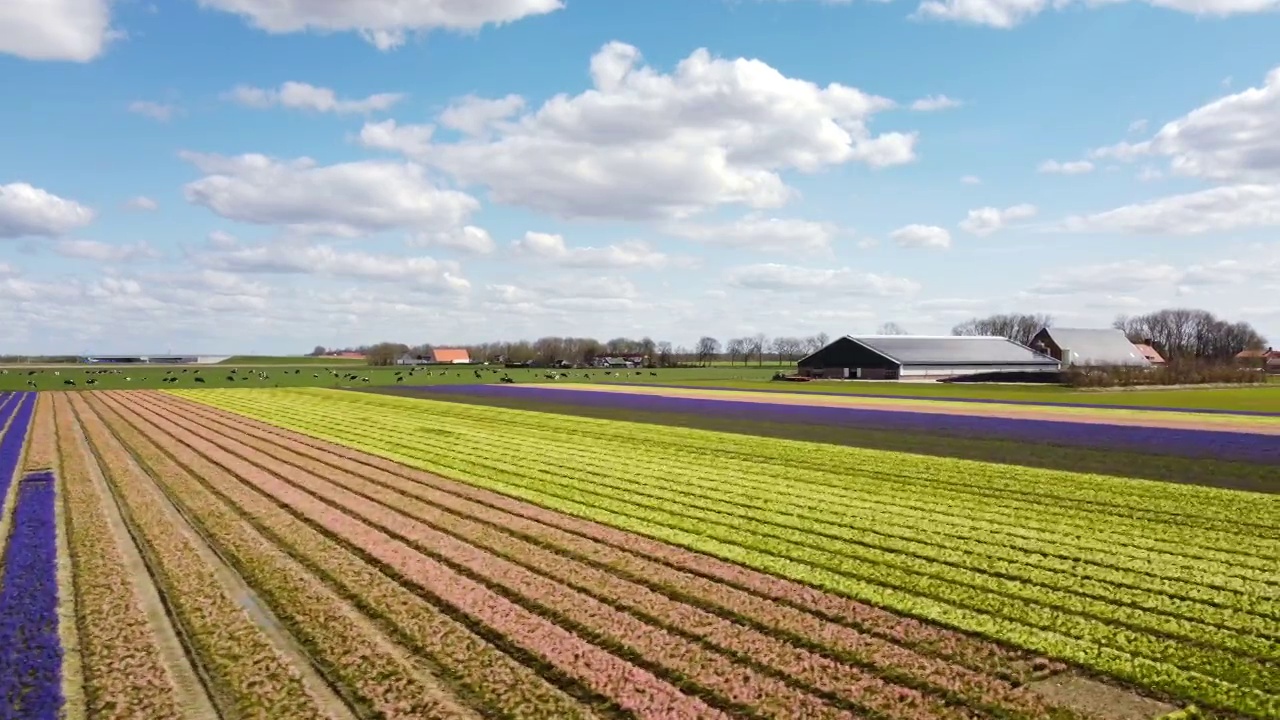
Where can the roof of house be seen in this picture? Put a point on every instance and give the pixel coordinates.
(450, 355)
(1259, 354)
(1149, 353)
(1097, 346)
(951, 350)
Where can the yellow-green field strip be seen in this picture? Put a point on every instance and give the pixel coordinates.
(1060, 413)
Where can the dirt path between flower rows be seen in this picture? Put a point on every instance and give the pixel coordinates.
(192, 696)
(1091, 417)
(240, 591)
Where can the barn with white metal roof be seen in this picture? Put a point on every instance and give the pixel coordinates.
(905, 357)
(1089, 346)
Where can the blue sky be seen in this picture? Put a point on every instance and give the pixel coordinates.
(264, 176)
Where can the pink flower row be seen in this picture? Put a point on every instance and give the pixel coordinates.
(248, 673)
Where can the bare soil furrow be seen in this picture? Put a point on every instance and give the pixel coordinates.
(133, 662)
(247, 674)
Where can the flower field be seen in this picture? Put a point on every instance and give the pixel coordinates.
(1252, 438)
(306, 553)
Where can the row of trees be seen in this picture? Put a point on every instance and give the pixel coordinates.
(1182, 333)
(1175, 333)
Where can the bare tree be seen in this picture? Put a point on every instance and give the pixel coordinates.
(647, 348)
(779, 348)
(892, 328)
(318, 351)
(736, 348)
(385, 353)
(707, 349)
(665, 357)
(1182, 333)
(758, 343)
(1018, 328)
(822, 339)
(787, 348)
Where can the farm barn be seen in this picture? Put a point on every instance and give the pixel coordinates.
(1089, 346)
(904, 357)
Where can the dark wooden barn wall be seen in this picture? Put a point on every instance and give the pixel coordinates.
(845, 353)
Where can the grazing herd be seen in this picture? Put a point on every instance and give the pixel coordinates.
(234, 375)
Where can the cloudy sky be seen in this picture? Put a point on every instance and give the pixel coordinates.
(263, 176)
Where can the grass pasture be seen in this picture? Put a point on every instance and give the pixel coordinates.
(336, 554)
(291, 372)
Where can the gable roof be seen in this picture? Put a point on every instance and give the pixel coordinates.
(1096, 346)
(1149, 353)
(450, 355)
(951, 349)
(948, 350)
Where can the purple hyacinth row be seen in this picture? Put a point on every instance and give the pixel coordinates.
(30, 649)
(990, 401)
(1162, 441)
(20, 410)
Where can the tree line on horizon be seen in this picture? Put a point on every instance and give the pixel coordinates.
(1176, 333)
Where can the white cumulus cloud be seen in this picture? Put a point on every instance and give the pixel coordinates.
(1072, 167)
(1007, 14)
(758, 232)
(922, 236)
(346, 199)
(935, 102)
(1231, 139)
(303, 96)
(384, 23)
(28, 211)
(421, 273)
(642, 144)
(162, 112)
(987, 220)
(469, 239)
(66, 30)
(142, 203)
(1219, 209)
(775, 277)
(104, 252)
(551, 247)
